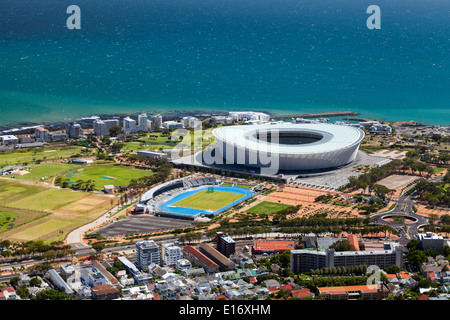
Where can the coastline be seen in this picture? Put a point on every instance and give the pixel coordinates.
(201, 113)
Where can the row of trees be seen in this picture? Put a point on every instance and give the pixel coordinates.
(88, 185)
(434, 193)
(49, 251)
(340, 271)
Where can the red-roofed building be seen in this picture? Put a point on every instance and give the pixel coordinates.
(9, 293)
(286, 287)
(105, 292)
(272, 246)
(253, 279)
(353, 239)
(422, 297)
(274, 290)
(404, 275)
(431, 276)
(352, 292)
(2, 296)
(222, 297)
(301, 293)
(199, 259)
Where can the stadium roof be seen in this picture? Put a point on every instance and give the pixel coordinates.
(334, 137)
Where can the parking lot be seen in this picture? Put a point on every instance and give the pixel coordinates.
(142, 224)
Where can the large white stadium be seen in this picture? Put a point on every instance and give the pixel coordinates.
(289, 146)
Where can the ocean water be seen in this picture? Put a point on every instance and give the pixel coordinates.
(279, 56)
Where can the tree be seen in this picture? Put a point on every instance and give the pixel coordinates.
(14, 281)
(35, 282)
(51, 294)
(115, 130)
(98, 247)
(116, 147)
(392, 269)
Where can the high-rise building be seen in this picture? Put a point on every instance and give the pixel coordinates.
(147, 252)
(101, 127)
(225, 244)
(142, 122)
(157, 122)
(42, 135)
(129, 125)
(170, 253)
(74, 130)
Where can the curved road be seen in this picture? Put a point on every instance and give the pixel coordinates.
(403, 208)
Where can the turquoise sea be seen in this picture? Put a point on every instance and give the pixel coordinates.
(279, 56)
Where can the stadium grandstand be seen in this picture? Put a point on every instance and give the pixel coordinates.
(156, 196)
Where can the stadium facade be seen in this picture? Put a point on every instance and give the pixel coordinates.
(300, 147)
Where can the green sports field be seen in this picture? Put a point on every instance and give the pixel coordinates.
(210, 201)
(45, 171)
(107, 174)
(267, 208)
(25, 156)
(36, 211)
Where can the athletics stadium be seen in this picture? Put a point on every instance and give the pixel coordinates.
(190, 198)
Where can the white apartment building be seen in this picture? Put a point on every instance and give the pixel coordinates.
(171, 253)
(41, 134)
(75, 130)
(129, 125)
(172, 125)
(9, 140)
(249, 115)
(101, 127)
(143, 122)
(191, 122)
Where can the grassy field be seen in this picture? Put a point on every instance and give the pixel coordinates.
(6, 218)
(211, 201)
(26, 156)
(107, 174)
(45, 171)
(44, 213)
(267, 208)
(438, 170)
(158, 141)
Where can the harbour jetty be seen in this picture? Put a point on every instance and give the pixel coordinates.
(316, 115)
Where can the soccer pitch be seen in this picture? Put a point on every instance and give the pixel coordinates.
(107, 174)
(267, 208)
(209, 201)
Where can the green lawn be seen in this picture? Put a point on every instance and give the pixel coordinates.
(267, 208)
(44, 171)
(155, 140)
(41, 231)
(48, 199)
(107, 174)
(210, 201)
(39, 212)
(26, 156)
(32, 197)
(6, 218)
(438, 170)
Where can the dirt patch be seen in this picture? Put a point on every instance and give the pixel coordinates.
(397, 181)
(21, 172)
